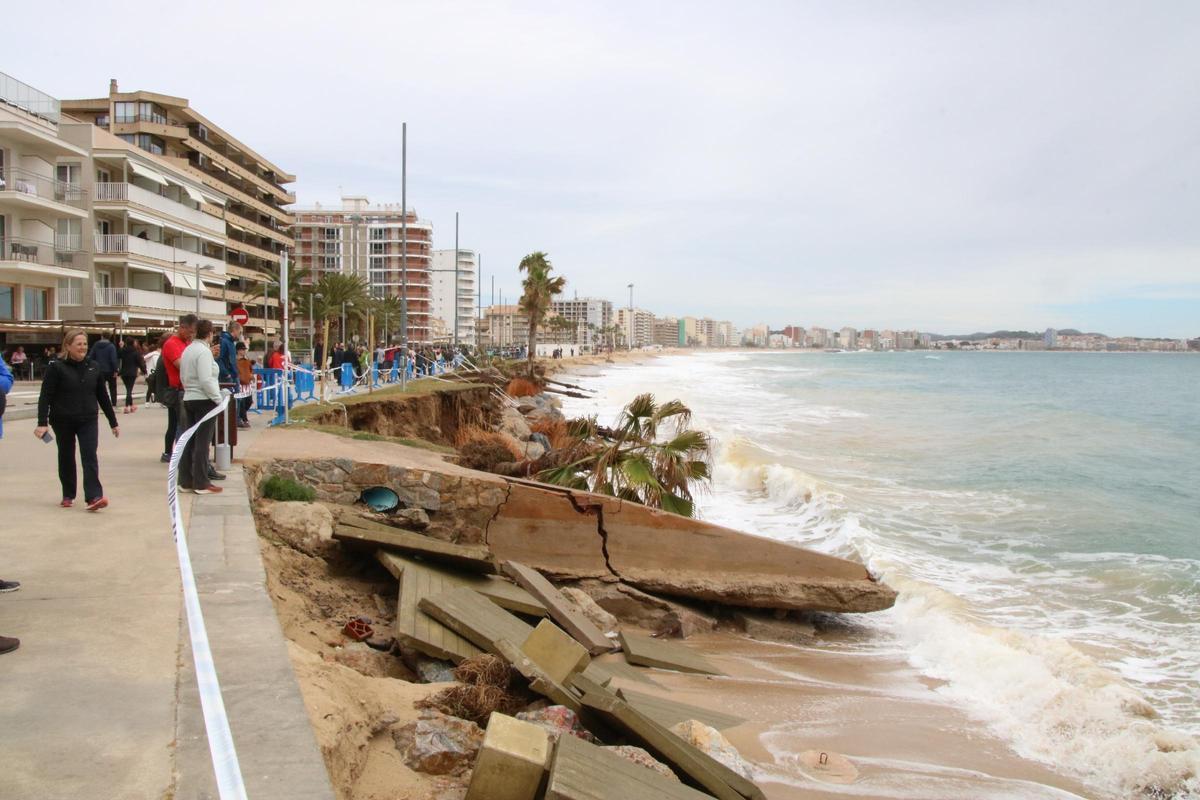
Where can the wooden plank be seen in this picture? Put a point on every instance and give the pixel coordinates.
(416, 629)
(669, 712)
(499, 590)
(693, 766)
(472, 558)
(474, 617)
(562, 610)
(603, 672)
(583, 771)
(539, 681)
(665, 655)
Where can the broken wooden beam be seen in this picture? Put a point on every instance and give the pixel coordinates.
(555, 652)
(539, 681)
(561, 610)
(499, 590)
(512, 761)
(474, 617)
(473, 558)
(417, 629)
(583, 771)
(669, 712)
(650, 652)
(616, 666)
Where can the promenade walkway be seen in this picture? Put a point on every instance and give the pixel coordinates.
(100, 701)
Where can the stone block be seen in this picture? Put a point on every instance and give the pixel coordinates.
(555, 652)
(512, 762)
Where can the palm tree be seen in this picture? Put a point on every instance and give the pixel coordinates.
(650, 457)
(540, 289)
(297, 286)
(329, 293)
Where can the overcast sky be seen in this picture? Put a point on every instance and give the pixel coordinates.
(946, 166)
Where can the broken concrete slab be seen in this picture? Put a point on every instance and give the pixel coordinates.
(539, 681)
(555, 652)
(665, 655)
(669, 712)
(692, 766)
(473, 558)
(512, 762)
(561, 610)
(538, 526)
(582, 771)
(417, 629)
(474, 617)
(499, 590)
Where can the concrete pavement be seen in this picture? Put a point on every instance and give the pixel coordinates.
(101, 688)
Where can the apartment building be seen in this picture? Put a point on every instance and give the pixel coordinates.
(228, 179)
(446, 295)
(595, 314)
(505, 326)
(390, 250)
(848, 338)
(636, 326)
(666, 332)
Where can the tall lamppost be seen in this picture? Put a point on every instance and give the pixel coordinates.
(456, 298)
(631, 316)
(312, 325)
(345, 337)
(404, 251)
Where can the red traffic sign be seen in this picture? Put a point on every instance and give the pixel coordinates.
(240, 315)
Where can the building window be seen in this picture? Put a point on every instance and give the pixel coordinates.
(330, 247)
(102, 120)
(378, 248)
(330, 233)
(378, 234)
(125, 112)
(331, 264)
(35, 303)
(7, 307)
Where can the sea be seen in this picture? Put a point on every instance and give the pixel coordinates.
(1039, 514)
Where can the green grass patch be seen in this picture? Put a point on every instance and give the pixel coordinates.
(277, 488)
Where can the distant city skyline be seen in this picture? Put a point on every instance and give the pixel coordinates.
(948, 168)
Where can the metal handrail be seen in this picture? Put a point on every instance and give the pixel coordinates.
(23, 181)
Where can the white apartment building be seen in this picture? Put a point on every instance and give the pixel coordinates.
(445, 296)
(636, 326)
(848, 338)
(595, 314)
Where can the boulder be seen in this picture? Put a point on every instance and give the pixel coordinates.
(645, 610)
(770, 628)
(557, 720)
(534, 451)
(438, 743)
(591, 609)
(414, 518)
(304, 526)
(513, 423)
(709, 741)
(640, 757)
(431, 670)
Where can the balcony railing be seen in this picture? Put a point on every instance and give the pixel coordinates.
(127, 192)
(123, 243)
(29, 99)
(22, 181)
(70, 296)
(124, 297)
(47, 254)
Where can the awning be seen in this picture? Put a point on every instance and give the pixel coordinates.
(193, 193)
(147, 173)
(146, 219)
(216, 200)
(182, 279)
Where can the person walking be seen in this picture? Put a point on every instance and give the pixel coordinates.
(130, 362)
(246, 381)
(72, 390)
(170, 391)
(198, 372)
(104, 353)
(150, 360)
(6, 384)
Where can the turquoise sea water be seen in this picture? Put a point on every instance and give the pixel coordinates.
(1038, 512)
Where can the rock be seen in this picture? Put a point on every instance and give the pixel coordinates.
(304, 526)
(438, 743)
(534, 451)
(766, 627)
(526, 406)
(368, 661)
(414, 518)
(645, 610)
(640, 757)
(591, 609)
(513, 423)
(541, 439)
(558, 720)
(431, 670)
(709, 740)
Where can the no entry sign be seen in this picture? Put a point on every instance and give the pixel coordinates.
(240, 315)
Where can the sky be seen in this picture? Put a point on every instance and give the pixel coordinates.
(945, 166)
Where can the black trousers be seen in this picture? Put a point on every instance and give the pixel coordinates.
(85, 430)
(193, 467)
(129, 380)
(172, 427)
(111, 379)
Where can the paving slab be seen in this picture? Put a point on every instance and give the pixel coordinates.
(499, 590)
(466, 557)
(583, 771)
(474, 617)
(562, 610)
(417, 629)
(669, 712)
(650, 652)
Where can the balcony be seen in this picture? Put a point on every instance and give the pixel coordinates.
(28, 99)
(120, 244)
(39, 191)
(170, 304)
(35, 253)
(129, 193)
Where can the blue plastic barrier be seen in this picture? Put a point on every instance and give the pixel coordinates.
(305, 383)
(346, 379)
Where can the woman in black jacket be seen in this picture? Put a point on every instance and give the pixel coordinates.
(130, 364)
(71, 392)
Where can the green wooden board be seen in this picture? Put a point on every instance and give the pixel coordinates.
(562, 610)
(500, 591)
(666, 655)
(668, 712)
(539, 681)
(474, 617)
(420, 631)
(473, 558)
(603, 672)
(583, 771)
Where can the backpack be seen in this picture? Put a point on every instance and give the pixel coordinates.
(167, 394)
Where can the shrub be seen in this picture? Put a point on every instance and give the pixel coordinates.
(555, 430)
(277, 488)
(522, 387)
(469, 434)
(483, 455)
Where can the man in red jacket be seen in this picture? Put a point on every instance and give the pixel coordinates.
(172, 351)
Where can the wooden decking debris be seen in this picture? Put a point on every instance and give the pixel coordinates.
(472, 558)
(583, 771)
(474, 617)
(668, 712)
(499, 590)
(420, 631)
(650, 652)
(561, 610)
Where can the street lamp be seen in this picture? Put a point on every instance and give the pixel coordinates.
(350, 303)
(631, 316)
(312, 324)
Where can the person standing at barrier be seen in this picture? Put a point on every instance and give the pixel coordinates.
(130, 363)
(6, 384)
(245, 371)
(104, 353)
(198, 372)
(72, 390)
(170, 394)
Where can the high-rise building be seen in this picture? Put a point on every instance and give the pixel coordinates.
(444, 294)
(848, 338)
(257, 228)
(1050, 338)
(368, 241)
(505, 326)
(666, 332)
(596, 315)
(868, 339)
(637, 328)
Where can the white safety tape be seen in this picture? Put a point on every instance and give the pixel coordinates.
(220, 738)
